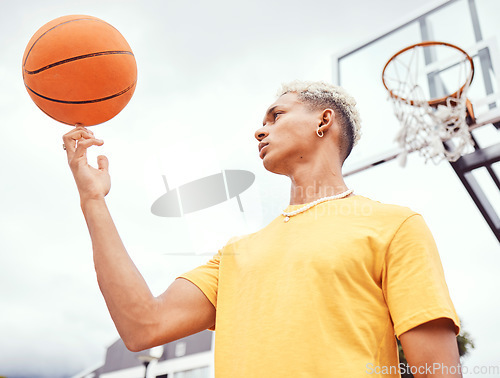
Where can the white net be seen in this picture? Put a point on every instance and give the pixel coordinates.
(426, 129)
(438, 132)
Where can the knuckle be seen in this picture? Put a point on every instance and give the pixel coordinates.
(84, 142)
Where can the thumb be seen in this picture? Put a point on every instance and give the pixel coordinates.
(102, 163)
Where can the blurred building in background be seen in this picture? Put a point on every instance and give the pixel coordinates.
(189, 357)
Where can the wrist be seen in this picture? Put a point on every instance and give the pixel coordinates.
(86, 203)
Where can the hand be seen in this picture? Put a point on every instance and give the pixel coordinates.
(92, 183)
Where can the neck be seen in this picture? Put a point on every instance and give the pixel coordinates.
(313, 184)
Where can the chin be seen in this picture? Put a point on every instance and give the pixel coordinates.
(272, 167)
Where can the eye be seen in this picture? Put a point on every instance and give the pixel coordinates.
(276, 115)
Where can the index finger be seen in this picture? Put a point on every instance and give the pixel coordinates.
(72, 137)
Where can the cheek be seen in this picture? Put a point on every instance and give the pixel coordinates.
(295, 138)
(305, 129)
(302, 138)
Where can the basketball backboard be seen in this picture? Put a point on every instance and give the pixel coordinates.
(469, 24)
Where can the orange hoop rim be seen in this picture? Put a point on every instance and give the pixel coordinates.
(437, 101)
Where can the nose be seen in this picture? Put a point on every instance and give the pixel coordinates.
(261, 133)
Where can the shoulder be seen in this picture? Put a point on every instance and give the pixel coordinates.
(237, 240)
(378, 209)
(388, 220)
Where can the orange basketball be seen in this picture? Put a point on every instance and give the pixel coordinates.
(79, 70)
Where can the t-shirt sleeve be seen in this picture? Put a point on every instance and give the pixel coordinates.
(413, 278)
(206, 277)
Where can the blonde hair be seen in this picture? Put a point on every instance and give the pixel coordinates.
(322, 94)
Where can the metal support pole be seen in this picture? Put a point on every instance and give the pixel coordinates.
(464, 168)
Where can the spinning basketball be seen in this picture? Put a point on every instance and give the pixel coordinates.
(79, 70)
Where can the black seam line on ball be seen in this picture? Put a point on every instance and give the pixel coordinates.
(63, 23)
(85, 101)
(85, 56)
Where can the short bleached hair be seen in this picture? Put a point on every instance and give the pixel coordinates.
(321, 94)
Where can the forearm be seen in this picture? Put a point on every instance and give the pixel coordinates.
(127, 295)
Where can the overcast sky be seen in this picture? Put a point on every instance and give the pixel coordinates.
(207, 72)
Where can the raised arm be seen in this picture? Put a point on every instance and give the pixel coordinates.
(142, 320)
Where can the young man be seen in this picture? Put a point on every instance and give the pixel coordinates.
(319, 292)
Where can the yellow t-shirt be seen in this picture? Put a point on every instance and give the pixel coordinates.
(323, 294)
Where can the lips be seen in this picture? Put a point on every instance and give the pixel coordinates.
(262, 146)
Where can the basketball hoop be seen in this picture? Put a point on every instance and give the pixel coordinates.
(433, 121)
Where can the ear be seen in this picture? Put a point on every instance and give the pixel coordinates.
(327, 119)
